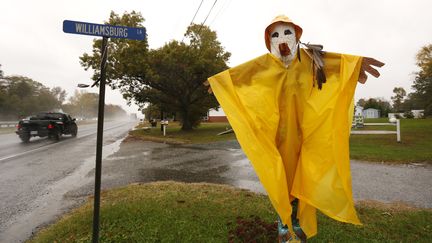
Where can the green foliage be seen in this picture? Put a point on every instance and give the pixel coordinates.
(423, 93)
(170, 77)
(114, 111)
(21, 96)
(397, 99)
(421, 98)
(424, 60)
(152, 112)
(83, 105)
(178, 72)
(126, 58)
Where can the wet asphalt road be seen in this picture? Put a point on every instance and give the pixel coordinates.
(133, 161)
(35, 176)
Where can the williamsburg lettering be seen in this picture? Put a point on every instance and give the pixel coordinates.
(108, 31)
(104, 30)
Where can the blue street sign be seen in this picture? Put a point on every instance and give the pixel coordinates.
(82, 28)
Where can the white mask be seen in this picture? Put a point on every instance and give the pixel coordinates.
(283, 42)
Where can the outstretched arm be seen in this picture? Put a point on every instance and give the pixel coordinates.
(367, 64)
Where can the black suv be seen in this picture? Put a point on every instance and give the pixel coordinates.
(47, 124)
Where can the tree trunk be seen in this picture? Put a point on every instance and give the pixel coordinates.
(186, 123)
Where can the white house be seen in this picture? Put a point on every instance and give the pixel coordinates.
(371, 113)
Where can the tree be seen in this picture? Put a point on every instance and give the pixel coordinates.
(423, 81)
(2, 92)
(178, 73)
(127, 59)
(152, 112)
(424, 60)
(21, 96)
(412, 102)
(378, 103)
(397, 99)
(114, 112)
(83, 104)
(170, 77)
(59, 94)
(361, 102)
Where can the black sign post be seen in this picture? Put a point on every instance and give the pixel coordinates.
(99, 140)
(106, 31)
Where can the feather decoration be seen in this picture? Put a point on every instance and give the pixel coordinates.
(298, 51)
(316, 53)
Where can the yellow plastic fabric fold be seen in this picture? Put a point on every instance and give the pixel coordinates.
(295, 135)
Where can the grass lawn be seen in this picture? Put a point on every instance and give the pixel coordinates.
(205, 133)
(415, 145)
(179, 212)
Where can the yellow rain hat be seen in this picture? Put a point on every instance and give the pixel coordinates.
(281, 19)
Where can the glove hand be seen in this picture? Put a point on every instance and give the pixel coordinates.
(366, 66)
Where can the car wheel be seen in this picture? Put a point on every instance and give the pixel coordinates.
(74, 131)
(25, 138)
(57, 136)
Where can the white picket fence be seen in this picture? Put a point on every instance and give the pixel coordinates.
(397, 132)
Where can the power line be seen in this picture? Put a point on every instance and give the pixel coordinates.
(196, 12)
(202, 24)
(225, 5)
(209, 12)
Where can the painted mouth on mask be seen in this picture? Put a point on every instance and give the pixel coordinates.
(284, 49)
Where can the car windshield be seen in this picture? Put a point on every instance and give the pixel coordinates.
(49, 116)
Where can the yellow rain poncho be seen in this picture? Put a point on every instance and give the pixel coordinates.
(295, 135)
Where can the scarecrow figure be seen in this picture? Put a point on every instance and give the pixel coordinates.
(290, 110)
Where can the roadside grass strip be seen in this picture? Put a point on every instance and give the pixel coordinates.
(6, 130)
(204, 133)
(181, 212)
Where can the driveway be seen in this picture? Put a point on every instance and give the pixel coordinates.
(225, 163)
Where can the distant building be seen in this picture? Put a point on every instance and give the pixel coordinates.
(216, 116)
(371, 113)
(418, 113)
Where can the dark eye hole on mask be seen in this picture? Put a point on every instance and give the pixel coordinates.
(288, 32)
(275, 35)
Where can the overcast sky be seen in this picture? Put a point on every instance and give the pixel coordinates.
(33, 44)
